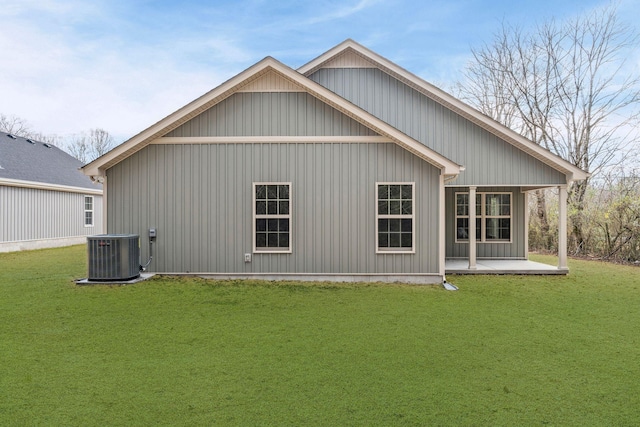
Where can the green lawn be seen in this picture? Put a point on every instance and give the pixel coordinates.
(500, 351)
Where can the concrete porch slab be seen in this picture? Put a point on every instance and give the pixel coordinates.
(501, 266)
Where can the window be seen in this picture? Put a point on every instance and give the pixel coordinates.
(462, 216)
(272, 217)
(395, 216)
(88, 211)
(493, 217)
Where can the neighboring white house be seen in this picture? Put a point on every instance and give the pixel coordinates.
(45, 201)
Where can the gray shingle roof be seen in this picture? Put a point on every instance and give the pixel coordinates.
(28, 160)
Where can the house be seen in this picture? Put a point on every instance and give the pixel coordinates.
(349, 168)
(45, 201)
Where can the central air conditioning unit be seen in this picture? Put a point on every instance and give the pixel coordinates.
(113, 257)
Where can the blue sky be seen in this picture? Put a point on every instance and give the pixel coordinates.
(122, 65)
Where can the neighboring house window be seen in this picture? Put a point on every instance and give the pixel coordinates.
(272, 217)
(88, 211)
(395, 217)
(493, 217)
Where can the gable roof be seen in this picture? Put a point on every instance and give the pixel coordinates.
(353, 54)
(26, 162)
(288, 79)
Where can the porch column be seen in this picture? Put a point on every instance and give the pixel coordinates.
(442, 245)
(526, 225)
(562, 228)
(472, 228)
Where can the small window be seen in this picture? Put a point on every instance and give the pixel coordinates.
(395, 218)
(493, 217)
(88, 211)
(272, 217)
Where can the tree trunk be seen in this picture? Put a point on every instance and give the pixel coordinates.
(541, 211)
(576, 201)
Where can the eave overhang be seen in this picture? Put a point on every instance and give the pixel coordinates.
(47, 186)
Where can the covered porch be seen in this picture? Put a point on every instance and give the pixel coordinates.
(499, 242)
(502, 266)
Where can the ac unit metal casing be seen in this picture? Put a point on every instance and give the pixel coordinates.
(113, 257)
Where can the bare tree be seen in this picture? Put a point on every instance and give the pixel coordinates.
(90, 145)
(14, 125)
(597, 104)
(485, 86)
(563, 87)
(20, 127)
(101, 141)
(85, 147)
(79, 148)
(49, 139)
(512, 81)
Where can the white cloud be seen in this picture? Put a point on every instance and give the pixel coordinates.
(63, 82)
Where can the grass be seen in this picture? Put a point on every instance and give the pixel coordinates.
(504, 350)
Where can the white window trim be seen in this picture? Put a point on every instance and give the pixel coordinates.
(390, 251)
(85, 210)
(482, 217)
(289, 216)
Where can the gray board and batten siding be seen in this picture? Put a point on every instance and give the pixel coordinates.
(199, 197)
(271, 114)
(487, 159)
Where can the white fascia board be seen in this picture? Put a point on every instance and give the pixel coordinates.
(98, 166)
(45, 186)
(573, 173)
